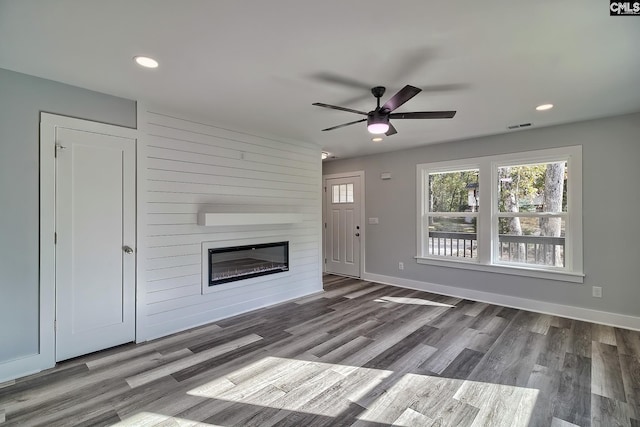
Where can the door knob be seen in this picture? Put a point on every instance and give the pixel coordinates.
(127, 250)
(357, 234)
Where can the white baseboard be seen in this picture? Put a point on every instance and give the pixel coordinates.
(571, 312)
(162, 330)
(24, 366)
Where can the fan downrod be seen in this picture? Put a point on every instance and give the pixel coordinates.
(378, 91)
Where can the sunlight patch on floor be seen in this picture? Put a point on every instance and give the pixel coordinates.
(413, 301)
(149, 419)
(293, 385)
(312, 387)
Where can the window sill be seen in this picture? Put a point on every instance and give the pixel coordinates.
(505, 269)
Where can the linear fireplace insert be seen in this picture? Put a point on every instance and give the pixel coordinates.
(242, 262)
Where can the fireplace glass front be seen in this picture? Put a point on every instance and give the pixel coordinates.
(242, 262)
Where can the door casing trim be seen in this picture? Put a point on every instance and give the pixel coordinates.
(325, 204)
(49, 125)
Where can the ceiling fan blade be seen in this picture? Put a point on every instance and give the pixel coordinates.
(345, 124)
(424, 115)
(403, 95)
(340, 80)
(335, 107)
(392, 130)
(356, 99)
(451, 87)
(409, 62)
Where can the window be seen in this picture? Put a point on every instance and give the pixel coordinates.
(532, 212)
(342, 193)
(451, 214)
(529, 223)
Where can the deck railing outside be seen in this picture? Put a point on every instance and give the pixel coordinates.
(540, 250)
(453, 244)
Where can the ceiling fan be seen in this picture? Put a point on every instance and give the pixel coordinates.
(378, 119)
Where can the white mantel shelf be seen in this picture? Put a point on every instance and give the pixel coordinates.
(230, 219)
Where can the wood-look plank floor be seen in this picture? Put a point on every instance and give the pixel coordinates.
(358, 354)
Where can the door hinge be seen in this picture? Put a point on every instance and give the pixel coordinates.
(325, 189)
(325, 260)
(55, 325)
(58, 147)
(55, 238)
(325, 225)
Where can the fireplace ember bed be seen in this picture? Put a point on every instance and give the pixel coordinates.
(243, 262)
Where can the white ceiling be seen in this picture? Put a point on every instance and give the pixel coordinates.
(259, 65)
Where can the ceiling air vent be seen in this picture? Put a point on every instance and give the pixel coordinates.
(522, 125)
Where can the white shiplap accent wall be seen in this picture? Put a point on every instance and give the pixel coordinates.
(186, 167)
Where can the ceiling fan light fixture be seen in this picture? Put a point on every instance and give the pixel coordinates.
(378, 128)
(377, 124)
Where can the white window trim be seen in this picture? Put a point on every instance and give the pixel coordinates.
(488, 213)
(423, 214)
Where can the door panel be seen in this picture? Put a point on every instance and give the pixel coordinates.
(349, 230)
(343, 227)
(95, 220)
(335, 234)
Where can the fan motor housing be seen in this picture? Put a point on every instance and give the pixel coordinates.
(376, 116)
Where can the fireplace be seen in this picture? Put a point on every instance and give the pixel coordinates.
(243, 262)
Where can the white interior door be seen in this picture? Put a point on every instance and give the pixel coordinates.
(95, 231)
(344, 231)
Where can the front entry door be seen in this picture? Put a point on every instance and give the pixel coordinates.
(95, 233)
(343, 226)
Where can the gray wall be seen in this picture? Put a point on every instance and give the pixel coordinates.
(22, 98)
(611, 202)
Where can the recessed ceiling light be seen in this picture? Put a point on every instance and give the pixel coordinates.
(544, 107)
(325, 155)
(376, 139)
(146, 62)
